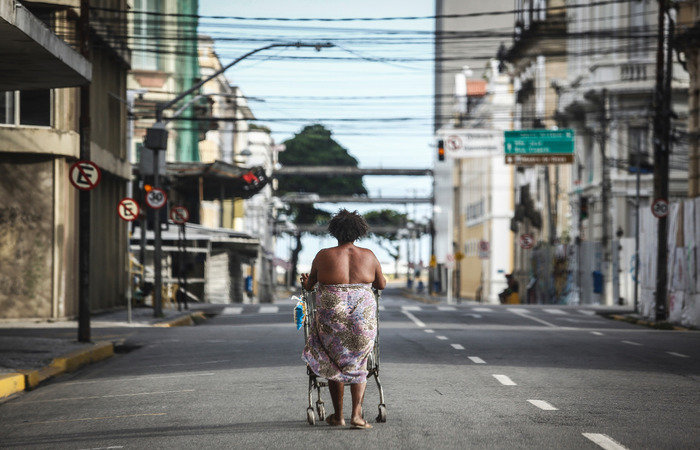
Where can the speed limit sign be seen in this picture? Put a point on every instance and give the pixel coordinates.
(659, 208)
(156, 198)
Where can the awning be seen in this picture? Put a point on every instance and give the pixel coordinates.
(33, 57)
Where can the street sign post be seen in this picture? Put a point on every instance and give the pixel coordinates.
(156, 198)
(531, 147)
(179, 214)
(527, 241)
(659, 208)
(128, 209)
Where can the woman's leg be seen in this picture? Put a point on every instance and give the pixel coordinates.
(358, 396)
(337, 389)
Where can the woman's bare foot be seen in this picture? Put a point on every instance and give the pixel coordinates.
(360, 424)
(333, 421)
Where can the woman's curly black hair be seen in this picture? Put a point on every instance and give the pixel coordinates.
(347, 226)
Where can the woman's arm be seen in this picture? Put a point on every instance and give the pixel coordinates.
(379, 280)
(309, 280)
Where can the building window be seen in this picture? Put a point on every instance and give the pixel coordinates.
(31, 108)
(148, 32)
(638, 147)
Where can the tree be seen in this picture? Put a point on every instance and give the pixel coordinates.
(388, 240)
(314, 146)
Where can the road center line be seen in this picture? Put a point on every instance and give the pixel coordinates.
(269, 309)
(414, 319)
(476, 360)
(604, 441)
(428, 330)
(446, 308)
(597, 333)
(457, 346)
(680, 355)
(632, 343)
(505, 380)
(232, 310)
(543, 405)
(442, 338)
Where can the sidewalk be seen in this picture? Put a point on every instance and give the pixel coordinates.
(32, 351)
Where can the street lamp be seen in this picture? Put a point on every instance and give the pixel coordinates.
(157, 140)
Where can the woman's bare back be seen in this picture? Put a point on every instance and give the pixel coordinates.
(347, 264)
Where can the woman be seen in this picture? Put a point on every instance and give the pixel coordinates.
(343, 334)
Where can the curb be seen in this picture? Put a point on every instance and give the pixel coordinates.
(408, 294)
(29, 379)
(184, 321)
(647, 323)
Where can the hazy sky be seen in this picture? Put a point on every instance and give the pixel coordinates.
(374, 91)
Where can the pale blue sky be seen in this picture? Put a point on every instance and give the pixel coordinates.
(383, 108)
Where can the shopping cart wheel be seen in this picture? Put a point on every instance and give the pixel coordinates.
(310, 416)
(321, 411)
(382, 414)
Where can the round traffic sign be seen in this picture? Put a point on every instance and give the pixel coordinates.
(128, 209)
(659, 208)
(453, 143)
(85, 175)
(179, 214)
(527, 241)
(156, 198)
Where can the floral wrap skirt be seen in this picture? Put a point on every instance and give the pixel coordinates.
(343, 333)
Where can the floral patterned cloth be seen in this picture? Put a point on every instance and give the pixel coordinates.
(342, 335)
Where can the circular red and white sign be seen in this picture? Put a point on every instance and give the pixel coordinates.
(85, 175)
(453, 143)
(179, 214)
(157, 198)
(527, 241)
(128, 209)
(659, 208)
(484, 246)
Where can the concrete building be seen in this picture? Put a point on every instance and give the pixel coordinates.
(40, 135)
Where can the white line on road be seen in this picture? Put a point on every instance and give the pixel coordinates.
(126, 416)
(476, 316)
(587, 312)
(518, 310)
(146, 377)
(556, 311)
(446, 308)
(543, 405)
(482, 309)
(457, 346)
(381, 308)
(680, 355)
(632, 343)
(523, 313)
(476, 360)
(93, 397)
(269, 309)
(604, 441)
(597, 333)
(414, 319)
(411, 308)
(232, 310)
(442, 338)
(428, 330)
(505, 380)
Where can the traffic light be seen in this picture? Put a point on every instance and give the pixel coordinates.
(441, 150)
(583, 208)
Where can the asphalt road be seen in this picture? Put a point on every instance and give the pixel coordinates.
(454, 377)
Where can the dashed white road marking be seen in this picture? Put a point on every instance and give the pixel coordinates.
(632, 343)
(597, 333)
(269, 309)
(411, 308)
(587, 312)
(505, 380)
(446, 308)
(457, 346)
(518, 310)
(482, 309)
(476, 360)
(556, 311)
(381, 308)
(604, 441)
(680, 355)
(442, 338)
(476, 316)
(414, 319)
(428, 330)
(543, 405)
(232, 310)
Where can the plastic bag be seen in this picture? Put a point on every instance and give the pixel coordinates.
(299, 311)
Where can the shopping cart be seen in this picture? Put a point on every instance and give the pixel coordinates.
(316, 383)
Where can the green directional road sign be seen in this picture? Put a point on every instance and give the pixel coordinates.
(526, 147)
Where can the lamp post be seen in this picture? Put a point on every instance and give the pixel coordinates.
(157, 140)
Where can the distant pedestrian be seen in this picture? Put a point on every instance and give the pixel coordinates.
(343, 333)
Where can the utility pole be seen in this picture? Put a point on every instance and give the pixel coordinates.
(84, 196)
(662, 115)
(605, 194)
